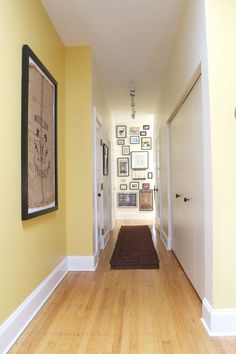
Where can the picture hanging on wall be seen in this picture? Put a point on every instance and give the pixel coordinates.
(145, 200)
(121, 131)
(150, 175)
(146, 127)
(138, 174)
(123, 187)
(122, 167)
(146, 143)
(143, 133)
(133, 185)
(105, 159)
(125, 200)
(134, 131)
(134, 140)
(39, 137)
(146, 185)
(125, 150)
(139, 160)
(120, 141)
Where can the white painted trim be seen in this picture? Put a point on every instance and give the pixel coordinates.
(220, 322)
(82, 263)
(106, 238)
(165, 240)
(12, 328)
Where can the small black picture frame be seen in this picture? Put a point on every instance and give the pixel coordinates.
(120, 141)
(146, 127)
(125, 150)
(133, 185)
(105, 157)
(39, 192)
(121, 131)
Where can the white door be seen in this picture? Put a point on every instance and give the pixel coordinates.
(187, 187)
(99, 190)
(157, 183)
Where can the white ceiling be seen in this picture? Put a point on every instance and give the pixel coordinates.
(131, 40)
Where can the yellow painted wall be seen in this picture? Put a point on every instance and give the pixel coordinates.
(79, 151)
(29, 250)
(221, 33)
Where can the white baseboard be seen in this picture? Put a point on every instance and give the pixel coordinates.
(165, 239)
(82, 263)
(12, 328)
(220, 322)
(106, 238)
(135, 215)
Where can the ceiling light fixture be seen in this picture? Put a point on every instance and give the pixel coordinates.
(132, 92)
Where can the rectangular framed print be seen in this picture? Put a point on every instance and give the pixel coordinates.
(138, 174)
(133, 185)
(105, 159)
(120, 141)
(150, 175)
(125, 150)
(123, 187)
(134, 131)
(146, 143)
(121, 131)
(143, 133)
(39, 138)
(146, 185)
(146, 127)
(123, 167)
(134, 140)
(126, 200)
(139, 160)
(145, 200)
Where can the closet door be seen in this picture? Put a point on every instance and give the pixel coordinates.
(187, 188)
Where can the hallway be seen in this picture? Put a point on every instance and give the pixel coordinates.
(130, 311)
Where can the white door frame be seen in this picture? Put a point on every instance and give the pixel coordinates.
(97, 247)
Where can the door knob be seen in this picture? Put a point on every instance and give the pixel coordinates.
(186, 199)
(99, 194)
(155, 189)
(177, 195)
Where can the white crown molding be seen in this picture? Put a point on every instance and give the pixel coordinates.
(220, 322)
(12, 328)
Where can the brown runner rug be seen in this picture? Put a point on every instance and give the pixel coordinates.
(134, 249)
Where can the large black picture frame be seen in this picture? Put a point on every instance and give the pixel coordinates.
(38, 138)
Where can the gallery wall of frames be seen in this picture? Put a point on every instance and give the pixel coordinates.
(134, 167)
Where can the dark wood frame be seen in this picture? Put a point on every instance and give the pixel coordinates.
(125, 146)
(120, 141)
(145, 191)
(105, 157)
(130, 183)
(117, 133)
(150, 175)
(143, 133)
(127, 206)
(146, 137)
(122, 158)
(27, 56)
(146, 127)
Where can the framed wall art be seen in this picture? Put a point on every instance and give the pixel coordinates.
(146, 143)
(139, 160)
(146, 127)
(123, 167)
(125, 150)
(126, 200)
(105, 159)
(143, 133)
(150, 175)
(39, 138)
(121, 131)
(146, 185)
(123, 187)
(120, 141)
(145, 200)
(133, 185)
(134, 140)
(138, 174)
(134, 131)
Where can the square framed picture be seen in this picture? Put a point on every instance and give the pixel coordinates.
(146, 143)
(133, 185)
(139, 160)
(145, 200)
(125, 150)
(39, 138)
(143, 133)
(105, 159)
(120, 141)
(121, 131)
(134, 140)
(150, 175)
(127, 200)
(146, 127)
(123, 167)
(123, 187)
(134, 130)
(146, 185)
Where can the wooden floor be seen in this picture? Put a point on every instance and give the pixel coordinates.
(123, 311)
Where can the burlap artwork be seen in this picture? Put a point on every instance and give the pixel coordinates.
(41, 164)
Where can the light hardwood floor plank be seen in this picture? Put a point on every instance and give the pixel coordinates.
(123, 312)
